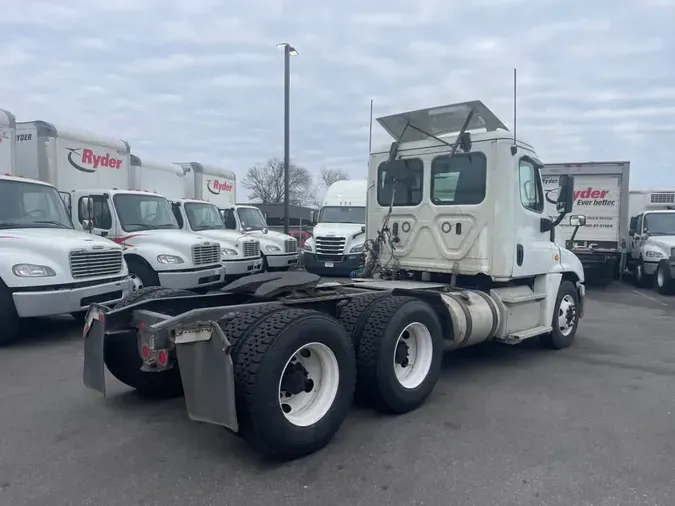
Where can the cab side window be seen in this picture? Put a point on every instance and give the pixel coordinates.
(101, 215)
(531, 192)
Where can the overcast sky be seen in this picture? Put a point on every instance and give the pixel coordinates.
(202, 79)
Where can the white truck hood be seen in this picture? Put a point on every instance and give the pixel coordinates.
(49, 247)
(228, 238)
(270, 238)
(664, 241)
(337, 229)
(165, 242)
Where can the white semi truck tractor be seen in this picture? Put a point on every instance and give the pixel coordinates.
(240, 254)
(111, 198)
(336, 245)
(462, 249)
(218, 186)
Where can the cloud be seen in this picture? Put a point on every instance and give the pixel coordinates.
(196, 80)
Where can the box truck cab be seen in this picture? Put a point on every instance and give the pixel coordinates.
(652, 238)
(336, 245)
(46, 267)
(218, 186)
(126, 203)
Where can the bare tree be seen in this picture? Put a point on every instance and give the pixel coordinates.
(266, 182)
(330, 176)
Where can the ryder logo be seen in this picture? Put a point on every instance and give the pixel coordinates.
(89, 161)
(215, 187)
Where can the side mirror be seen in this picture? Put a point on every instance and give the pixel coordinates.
(631, 232)
(312, 217)
(363, 229)
(87, 225)
(578, 220)
(265, 216)
(565, 201)
(87, 209)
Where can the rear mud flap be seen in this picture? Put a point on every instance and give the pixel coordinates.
(207, 373)
(93, 374)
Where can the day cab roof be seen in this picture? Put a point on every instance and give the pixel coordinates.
(210, 170)
(7, 119)
(422, 128)
(194, 201)
(116, 191)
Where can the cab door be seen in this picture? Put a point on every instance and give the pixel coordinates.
(535, 252)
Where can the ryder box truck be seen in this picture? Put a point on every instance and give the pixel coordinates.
(601, 195)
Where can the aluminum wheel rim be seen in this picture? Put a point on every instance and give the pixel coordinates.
(565, 323)
(304, 408)
(420, 353)
(137, 283)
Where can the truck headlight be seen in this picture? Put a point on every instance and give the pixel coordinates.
(307, 247)
(229, 252)
(271, 247)
(169, 259)
(357, 249)
(653, 254)
(32, 271)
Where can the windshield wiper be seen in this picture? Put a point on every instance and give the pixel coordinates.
(52, 222)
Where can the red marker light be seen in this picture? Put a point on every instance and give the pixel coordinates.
(162, 357)
(146, 351)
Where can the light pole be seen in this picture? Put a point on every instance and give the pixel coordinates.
(288, 52)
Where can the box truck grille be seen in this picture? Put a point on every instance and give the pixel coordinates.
(662, 198)
(291, 245)
(88, 264)
(330, 248)
(206, 255)
(252, 249)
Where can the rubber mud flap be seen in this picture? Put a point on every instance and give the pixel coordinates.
(93, 374)
(207, 374)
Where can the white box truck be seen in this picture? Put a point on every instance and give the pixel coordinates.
(336, 245)
(241, 254)
(125, 203)
(601, 194)
(218, 185)
(46, 267)
(277, 357)
(652, 238)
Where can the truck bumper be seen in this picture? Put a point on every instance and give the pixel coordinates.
(202, 352)
(69, 300)
(282, 261)
(186, 280)
(343, 267)
(235, 268)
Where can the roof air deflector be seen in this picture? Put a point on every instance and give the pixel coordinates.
(440, 120)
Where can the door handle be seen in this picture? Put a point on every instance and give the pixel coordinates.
(520, 253)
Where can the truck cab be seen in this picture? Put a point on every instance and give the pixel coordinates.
(456, 198)
(241, 254)
(279, 251)
(157, 251)
(46, 266)
(336, 245)
(652, 239)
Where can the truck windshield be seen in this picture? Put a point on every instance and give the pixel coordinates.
(203, 216)
(143, 212)
(342, 214)
(251, 218)
(31, 205)
(660, 223)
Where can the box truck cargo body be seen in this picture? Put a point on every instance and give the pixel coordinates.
(601, 195)
(7, 142)
(218, 185)
(101, 182)
(651, 232)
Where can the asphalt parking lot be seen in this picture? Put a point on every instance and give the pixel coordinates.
(591, 425)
